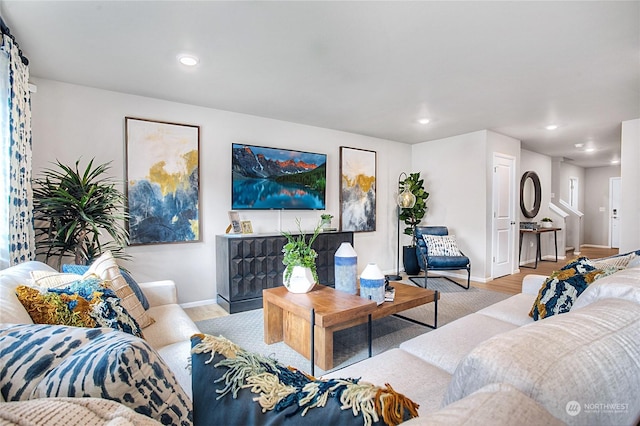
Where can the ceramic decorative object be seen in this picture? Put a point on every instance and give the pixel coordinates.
(300, 281)
(372, 283)
(346, 268)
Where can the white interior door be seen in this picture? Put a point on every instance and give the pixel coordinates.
(614, 212)
(503, 215)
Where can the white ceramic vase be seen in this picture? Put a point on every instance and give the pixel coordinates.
(300, 281)
(372, 283)
(346, 268)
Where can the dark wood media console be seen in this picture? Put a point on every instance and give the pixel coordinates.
(247, 264)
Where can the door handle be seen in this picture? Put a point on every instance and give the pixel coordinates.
(513, 223)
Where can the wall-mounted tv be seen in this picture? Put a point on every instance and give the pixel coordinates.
(277, 179)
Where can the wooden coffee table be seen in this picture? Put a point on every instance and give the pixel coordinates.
(287, 316)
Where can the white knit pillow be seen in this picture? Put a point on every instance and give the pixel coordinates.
(107, 269)
(442, 245)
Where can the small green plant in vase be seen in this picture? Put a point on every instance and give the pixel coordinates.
(325, 220)
(300, 274)
(547, 222)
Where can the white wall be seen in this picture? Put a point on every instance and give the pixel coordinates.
(457, 174)
(596, 204)
(543, 166)
(630, 173)
(71, 122)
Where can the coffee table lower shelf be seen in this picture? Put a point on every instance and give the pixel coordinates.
(306, 322)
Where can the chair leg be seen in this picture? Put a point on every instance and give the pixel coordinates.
(413, 280)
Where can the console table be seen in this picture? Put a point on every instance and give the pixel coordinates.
(247, 264)
(537, 233)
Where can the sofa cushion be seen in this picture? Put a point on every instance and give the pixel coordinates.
(494, 404)
(11, 310)
(419, 380)
(57, 361)
(514, 310)
(82, 269)
(172, 325)
(446, 346)
(84, 303)
(561, 289)
(232, 386)
(71, 411)
(589, 356)
(106, 268)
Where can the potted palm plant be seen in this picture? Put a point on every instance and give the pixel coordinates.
(300, 274)
(412, 217)
(74, 210)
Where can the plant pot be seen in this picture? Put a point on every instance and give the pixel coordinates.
(300, 281)
(546, 224)
(410, 260)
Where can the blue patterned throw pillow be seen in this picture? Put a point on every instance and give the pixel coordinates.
(81, 269)
(560, 290)
(41, 361)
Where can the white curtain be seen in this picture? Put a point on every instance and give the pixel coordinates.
(17, 233)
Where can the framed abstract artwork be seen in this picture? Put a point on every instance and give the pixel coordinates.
(162, 174)
(357, 190)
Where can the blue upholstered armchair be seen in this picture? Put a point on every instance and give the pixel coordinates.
(430, 262)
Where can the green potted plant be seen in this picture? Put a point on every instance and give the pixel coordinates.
(72, 211)
(325, 220)
(546, 222)
(412, 218)
(300, 274)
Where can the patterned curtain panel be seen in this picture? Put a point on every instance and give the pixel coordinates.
(17, 218)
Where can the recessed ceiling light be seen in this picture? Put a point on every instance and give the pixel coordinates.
(615, 161)
(551, 127)
(424, 121)
(579, 145)
(188, 60)
(589, 149)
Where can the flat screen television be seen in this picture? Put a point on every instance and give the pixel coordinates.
(277, 179)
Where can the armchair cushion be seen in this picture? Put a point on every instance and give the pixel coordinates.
(447, 262)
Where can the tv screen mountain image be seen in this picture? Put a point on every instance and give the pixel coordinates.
(265, 178)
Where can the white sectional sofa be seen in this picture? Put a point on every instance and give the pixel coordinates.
(169, 335)
(498, 366)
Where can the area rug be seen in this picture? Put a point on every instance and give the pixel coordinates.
(350, 345)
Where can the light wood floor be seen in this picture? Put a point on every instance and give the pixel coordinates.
(511, 284)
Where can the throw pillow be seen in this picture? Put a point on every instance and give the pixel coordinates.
(234, 386)
(560, 290)
(106, 268)
(621, 261)
(82, 269)
(442, 245)
(84, 303)
(43, 361)
(52, 279)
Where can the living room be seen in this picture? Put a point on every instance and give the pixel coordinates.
(446, 89)
(75, 121)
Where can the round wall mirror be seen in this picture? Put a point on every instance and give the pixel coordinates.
(530, 194)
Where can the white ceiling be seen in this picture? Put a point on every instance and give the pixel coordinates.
(371, 68)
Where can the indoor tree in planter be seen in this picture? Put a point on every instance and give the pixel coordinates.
(412, 218)
(72, 210)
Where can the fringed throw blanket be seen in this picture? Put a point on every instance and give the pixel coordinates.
(232, 386)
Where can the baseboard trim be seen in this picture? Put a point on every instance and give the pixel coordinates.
(595, 246)
(198, 303)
